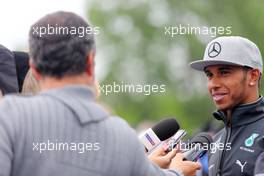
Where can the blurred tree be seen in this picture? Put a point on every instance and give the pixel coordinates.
(133, 48)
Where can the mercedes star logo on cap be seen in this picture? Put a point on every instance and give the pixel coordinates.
(214, 49)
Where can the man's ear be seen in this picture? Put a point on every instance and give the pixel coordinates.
(35, 72)
(90, 64)
(254, 77)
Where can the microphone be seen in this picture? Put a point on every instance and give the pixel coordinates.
(163, 130)
(201, 144)
(175, 140)
(260, 142)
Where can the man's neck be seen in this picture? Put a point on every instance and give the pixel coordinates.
(229, 112)
(52, 83)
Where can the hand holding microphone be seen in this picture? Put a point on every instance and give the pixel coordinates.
(185, 161)
(172, 143)
(162, 158)
(154, 136)
(199, 145)
(188, 168)
(152, 140)
(162, 131)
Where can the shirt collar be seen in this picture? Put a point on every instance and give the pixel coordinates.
(243, 114)
(80, 100)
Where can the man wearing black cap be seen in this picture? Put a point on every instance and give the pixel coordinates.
(233, 66)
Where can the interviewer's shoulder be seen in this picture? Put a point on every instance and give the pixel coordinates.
(118, 122)
(121, 126)
(17, 104)
(12, 110)
(13, 100)
(10, 101)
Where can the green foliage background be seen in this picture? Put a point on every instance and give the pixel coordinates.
(132, 48)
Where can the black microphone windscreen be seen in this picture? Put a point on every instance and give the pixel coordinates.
(203, 138)
(166, 128)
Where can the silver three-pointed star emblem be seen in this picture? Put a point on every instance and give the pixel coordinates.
(214, 49)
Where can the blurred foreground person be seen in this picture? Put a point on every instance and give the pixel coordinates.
(233, 66)
(61, 130)
(8, 74)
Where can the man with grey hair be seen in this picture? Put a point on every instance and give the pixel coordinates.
(233, 66)
(62, 131)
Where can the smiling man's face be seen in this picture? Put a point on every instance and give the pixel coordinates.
(228, 86)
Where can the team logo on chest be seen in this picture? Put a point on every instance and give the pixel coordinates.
(250, 141)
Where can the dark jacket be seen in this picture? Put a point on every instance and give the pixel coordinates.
(259, 168)
(237, 150)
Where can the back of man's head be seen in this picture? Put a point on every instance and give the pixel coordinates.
(59, 44)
